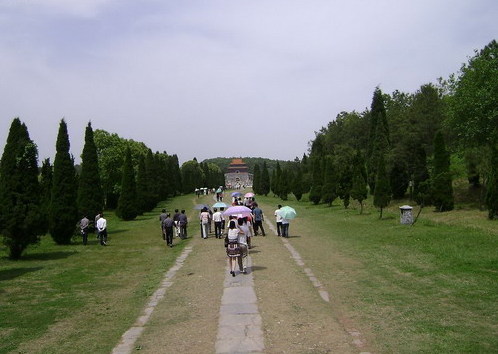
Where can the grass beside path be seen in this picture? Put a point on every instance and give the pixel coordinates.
(81, 299)
(432, 287)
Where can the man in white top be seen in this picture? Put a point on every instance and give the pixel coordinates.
(278, 219)
(102, 229)
(217, 218)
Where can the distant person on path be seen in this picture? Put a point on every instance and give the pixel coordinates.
(161, 219)
(176, 221)
(167, 225)
(258, 219)
(217, 218)
(222, 221)
(278, 220)
(204, 219)
(232, 246)
(242, 241)
(102, 229)
(182, 223)
(84, 224)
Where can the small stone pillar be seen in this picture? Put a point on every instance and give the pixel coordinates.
(406, 216)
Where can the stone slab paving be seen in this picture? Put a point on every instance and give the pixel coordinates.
(240, 324)
(129, 338)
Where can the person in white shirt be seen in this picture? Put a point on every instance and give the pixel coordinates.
(278, 220)
(102, 229)
(204, 218)
(217, 218)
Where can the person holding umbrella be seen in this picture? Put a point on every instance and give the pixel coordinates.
(286, 213)
(232, 246)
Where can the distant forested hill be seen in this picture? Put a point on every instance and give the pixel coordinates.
(223, 162)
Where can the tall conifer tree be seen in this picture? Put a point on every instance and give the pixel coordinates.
(382, 193)
(265, 180)
(442, 189)
(329, 187)
(63, 208)
(256, 182)
(127, 202)
(21, 218)
(142, 187)
(46, 176)
(359, 189)
(90, 195)
(297, 184)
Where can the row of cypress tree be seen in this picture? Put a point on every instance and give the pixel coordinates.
(52, 199)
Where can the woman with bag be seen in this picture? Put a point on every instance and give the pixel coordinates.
(232, 246)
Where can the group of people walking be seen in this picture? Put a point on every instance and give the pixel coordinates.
(100, 228)
(173, 225)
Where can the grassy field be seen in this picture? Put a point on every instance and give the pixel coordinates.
(431, 287)
(80, 299)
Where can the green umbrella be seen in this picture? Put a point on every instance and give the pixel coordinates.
(287, 212)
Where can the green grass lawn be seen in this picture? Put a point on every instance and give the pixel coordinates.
(61, 299)
(431, 287)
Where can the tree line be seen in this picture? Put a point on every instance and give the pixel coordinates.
(406, 143)
(115, 173)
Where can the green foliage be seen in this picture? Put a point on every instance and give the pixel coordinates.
(316, 187)
(359, 191)
(442, 190)
(399, 178)
(90, 195)
(192, 176)
(256, 184)
(63, 208)
(127, 204)
(421, 177)
(298, 184)
(21, 216)
(475, 99)
(492, 185)
(265, 180)
(46, 176)
(330, 181)
(382, 194)
(143, 195)
(378, 144)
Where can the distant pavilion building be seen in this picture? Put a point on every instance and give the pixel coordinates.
(237, 175)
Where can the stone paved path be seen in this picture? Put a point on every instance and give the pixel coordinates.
(239, 329)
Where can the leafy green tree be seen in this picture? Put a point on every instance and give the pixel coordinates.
(382, 193)
(21, 217)
(265, 180)
(90, 196)
(442, 190)
(475, 98)
(127, 202)
(421, 177)
(330, 181)
(285, 183)
(492, 185)
(399, 178)
(359, 189)
(316, 187)
(63, 208)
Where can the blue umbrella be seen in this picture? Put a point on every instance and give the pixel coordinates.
(287, 212)
(236, 194)
(219, 205)
(201, 206)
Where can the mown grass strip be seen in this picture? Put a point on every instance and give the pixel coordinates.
(77, 298)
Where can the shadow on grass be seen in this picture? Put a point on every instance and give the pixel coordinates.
(116, 231)
(257, 268)
(9, 274)
(48, 256)
(293, 236)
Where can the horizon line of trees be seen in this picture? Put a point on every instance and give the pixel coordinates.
(411, 143)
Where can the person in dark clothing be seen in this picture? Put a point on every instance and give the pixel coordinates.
(183, 222)
(168, 224)
(161, 219)
(176, 220)
(258, 219)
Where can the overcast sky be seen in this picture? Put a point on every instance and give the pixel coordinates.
(221, 78)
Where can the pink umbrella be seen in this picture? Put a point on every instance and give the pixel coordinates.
(238, 210)
(249, 195)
